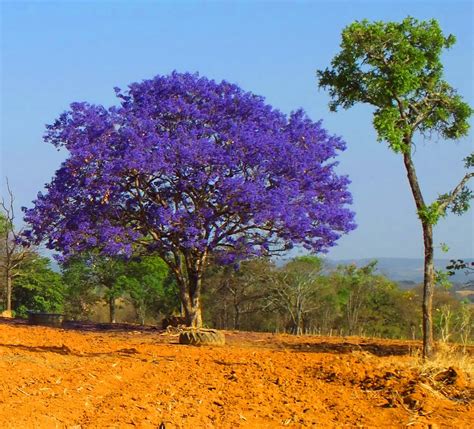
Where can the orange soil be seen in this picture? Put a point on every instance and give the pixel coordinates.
(55, 378)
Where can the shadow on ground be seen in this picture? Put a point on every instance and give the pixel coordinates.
(376, 349)
(65, 350)
(89, 326)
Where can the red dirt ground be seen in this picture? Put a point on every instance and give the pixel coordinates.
(124, 378)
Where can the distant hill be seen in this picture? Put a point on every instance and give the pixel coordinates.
(406, 271)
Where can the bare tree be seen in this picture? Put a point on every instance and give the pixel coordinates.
(239, 292)
(12, 252)
(295, 290)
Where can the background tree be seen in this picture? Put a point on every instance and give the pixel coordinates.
(354, 288)
(12, 251)
(81, 290)
(143, 280)
(187, 167)
(95, 275)
(396, 67)
(236, 294)
(294, 290)
(106, 273)
(388, 311)
(37, 287)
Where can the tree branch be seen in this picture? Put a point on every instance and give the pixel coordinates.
(448, 199)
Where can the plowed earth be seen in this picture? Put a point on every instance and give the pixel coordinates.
(90, 377)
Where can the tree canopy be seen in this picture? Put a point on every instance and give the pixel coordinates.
(37, 287)
(396, 66)
(185, 167)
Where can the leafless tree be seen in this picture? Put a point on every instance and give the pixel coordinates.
(295, 290)
(12, 252)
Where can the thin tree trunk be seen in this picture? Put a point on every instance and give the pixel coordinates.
(141, 313)
(236, 317)
(428, 291)
(428, 280)
(9, 293)
(112, 308)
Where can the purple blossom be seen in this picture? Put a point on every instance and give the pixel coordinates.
(187, 167)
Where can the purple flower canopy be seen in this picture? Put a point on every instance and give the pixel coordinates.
(185, 164)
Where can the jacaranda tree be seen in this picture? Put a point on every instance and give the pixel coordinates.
(185, 167)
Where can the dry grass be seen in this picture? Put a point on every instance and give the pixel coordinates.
(449, 373)
(447, 356)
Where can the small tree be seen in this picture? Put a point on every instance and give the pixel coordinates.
(237, 293)
(12, 251)
(81, 289)
(295, 290)
(94, 275)
(354, 288)
(37, 287)
(144, 282)
(396, 68)
(186, 167)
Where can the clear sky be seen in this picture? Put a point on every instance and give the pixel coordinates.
(54, 53)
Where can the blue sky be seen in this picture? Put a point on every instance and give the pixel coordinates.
(54, 53)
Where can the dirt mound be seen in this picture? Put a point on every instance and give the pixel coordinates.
(57, 378)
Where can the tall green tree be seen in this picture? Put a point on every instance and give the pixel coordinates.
(396, 68)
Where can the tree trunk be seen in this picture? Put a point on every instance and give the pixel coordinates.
(428, 291)
(192, 312)
(236, 317)
(112, 308)
(299, 321)
(299, 329)
(188, 271)
(428, 279)
(141, 312)
(9, 293)
(190, 291)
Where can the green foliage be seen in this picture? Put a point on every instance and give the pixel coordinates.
(37, 287)
(469, 161)
(431, 214)
(461, 202)
(444, 247)
(442, 279)
(81, 288)
(396, 67)
(147, 283)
